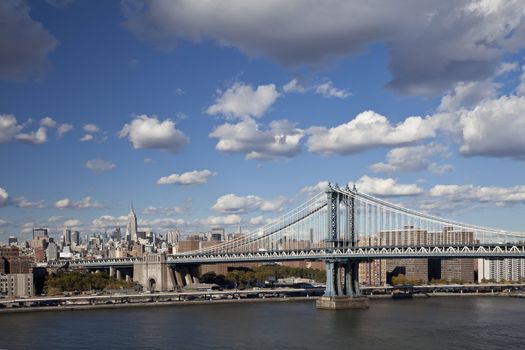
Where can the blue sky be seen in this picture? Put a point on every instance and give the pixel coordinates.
(224, 114)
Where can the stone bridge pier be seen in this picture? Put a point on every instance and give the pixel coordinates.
(342, 286)
(153, 273)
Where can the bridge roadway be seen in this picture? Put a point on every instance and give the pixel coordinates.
(488, 251)
(159, 296)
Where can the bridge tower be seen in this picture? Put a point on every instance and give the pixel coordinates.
(342, 284)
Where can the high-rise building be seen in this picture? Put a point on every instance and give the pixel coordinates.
(12, 240)
(132, 227)
(52, 251)
(501, 270)
(75, 237)
(17, 285)
(44, 232)
(67, 236)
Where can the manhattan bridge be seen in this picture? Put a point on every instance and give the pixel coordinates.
(341, 226)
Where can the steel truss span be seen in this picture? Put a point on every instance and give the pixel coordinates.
(343, 218)
(347, 224)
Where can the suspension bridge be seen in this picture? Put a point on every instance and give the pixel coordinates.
(342, 227)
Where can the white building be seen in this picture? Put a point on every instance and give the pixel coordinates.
(501, 270)
(17, 285)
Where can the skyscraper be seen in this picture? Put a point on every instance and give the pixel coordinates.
(131, 228)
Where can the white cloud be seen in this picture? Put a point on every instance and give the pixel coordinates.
(24, 43)
(63, 203)
(49, 122)
(34, 137)
(506, 67)
(368, 130)
(91, 128)
(109, 221)
(56, 218)
(494, 128)
(194, 177)
(294, 85)
(151, 210)
(468, 95)
(64, 129)
(162, 223)
(261, 220)
(480, 194)
(23, 202)
(231, 219)
(99, 165)
(86, 137)
(315, 189)
(328, 90)
(85, 203)
(4, 223)
(72, 223)
(281, 139)
(385, 187)
(231, 203)
(242, 100)
(8, 127)
(412, 158)
(149, 132)
(4, 197)
(431, 44)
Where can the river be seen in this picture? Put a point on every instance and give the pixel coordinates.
(431, 323)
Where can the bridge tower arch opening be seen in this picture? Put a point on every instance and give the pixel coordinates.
(151, 284)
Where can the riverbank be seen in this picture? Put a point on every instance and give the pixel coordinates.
(153, 304)
(232, 301)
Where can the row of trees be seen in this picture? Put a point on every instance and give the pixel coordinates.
(246, 277)
(81, 282)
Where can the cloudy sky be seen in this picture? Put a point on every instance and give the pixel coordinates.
(208, 113)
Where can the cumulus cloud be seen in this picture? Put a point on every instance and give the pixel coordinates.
(24, 42)
(85, 203)
(109, 221)
(494, 128)
(4, 197)
(99, 165)
(49, 122)
(231, 219)
(328, 90)
(64, 129)
(243, 100)
(520, 90)
(8, 127)
(4, 223)
(87, 137)
(90, 128)
(412, 158)
(281, 139)
(431, 44)
(23, 202)
(368, 130)
(294, 85)
(260, 220)
(150, 132)
(34, 137)
(385, 187)
(161, 223)
(151, 210)
(195, 177)
(231, 203)
(468, 95)
(480, 194)
(315, 189)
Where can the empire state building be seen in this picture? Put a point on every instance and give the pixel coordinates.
(131, 228)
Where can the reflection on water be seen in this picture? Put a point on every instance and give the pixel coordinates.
(435, 323)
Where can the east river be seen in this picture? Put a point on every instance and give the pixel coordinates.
(431, 323)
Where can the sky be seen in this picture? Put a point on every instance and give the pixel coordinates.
(225, 114)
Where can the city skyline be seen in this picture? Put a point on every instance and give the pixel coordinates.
(201, 119)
